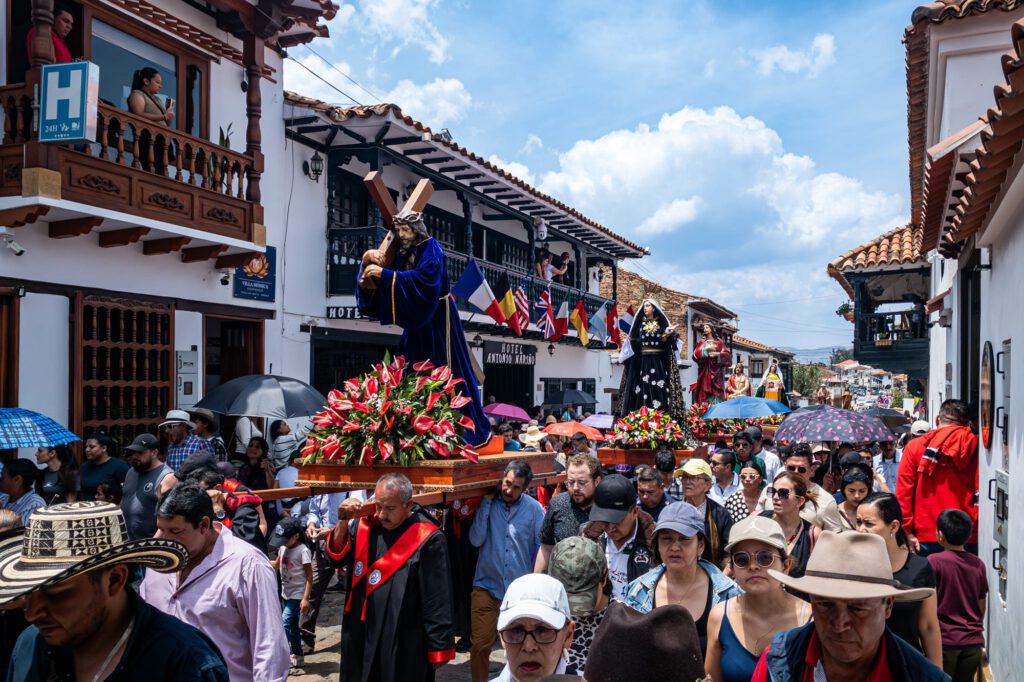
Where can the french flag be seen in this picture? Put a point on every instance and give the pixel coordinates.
(626, 321)
(474, 288)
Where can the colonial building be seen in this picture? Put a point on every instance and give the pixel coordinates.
(478, 211)
(140, 263)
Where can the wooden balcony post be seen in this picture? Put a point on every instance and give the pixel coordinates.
(531, 235)
(252, 58)
(468, 205)
(615, 281)
(42, 40)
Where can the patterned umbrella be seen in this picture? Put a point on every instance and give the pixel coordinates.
(506, 411)
(833, 424)
(745, 407)
(27, 429)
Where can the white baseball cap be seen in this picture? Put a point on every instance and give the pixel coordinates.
(920, 427)
(537, 596)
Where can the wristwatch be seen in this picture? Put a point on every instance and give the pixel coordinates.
(220, 515)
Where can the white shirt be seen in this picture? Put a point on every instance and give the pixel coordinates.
(718, 493)
(618, 565)
(772, 463)
(286, 478)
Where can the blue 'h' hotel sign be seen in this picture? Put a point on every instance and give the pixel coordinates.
(68, 102)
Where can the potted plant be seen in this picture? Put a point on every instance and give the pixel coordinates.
(397, 417)
(845, 310)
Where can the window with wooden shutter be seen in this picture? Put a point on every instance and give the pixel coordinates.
(123, 366)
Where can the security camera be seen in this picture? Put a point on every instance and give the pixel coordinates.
(225, 277)
(8, 239)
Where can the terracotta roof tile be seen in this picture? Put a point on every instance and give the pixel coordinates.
(340, 114)
(1000, 144)
(915, 39)
(898, 246)
(757, 345)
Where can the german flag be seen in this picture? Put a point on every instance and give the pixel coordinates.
(506, 296)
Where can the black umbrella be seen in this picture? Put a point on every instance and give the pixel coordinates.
(891, 418)
(571, 396)
(264, 395)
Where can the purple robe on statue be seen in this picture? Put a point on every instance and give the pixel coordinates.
(416, 297)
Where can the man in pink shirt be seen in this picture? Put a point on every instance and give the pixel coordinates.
(227, 588)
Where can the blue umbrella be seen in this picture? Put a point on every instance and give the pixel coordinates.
(27, 429)
(745, 407)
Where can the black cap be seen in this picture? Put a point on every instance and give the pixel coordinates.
(143, 442)
(613, 499)
(286, 527)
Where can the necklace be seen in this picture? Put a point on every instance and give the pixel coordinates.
(117, 647)
(772, 629)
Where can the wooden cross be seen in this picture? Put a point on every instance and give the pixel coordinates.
(417, 201)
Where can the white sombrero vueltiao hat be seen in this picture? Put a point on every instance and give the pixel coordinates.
(851, 566)
(66, 540)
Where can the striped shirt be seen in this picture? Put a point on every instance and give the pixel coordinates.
(25, 505)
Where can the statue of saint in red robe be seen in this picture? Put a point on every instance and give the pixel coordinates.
(712, 357)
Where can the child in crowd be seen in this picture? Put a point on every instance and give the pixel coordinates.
(109, 491)
(294, 561)
(962, 590)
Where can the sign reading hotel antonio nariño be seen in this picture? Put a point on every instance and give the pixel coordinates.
(68, 102)
(501, 353)
(256, 280)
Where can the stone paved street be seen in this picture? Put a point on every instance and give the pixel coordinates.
(323, 663)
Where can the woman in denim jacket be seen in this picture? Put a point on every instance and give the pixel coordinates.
(681, 576)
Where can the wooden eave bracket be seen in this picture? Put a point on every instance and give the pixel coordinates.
(157, 247)
(201, 253)
(235, 260)
(122, 237)
(23, 215)
(75, 227)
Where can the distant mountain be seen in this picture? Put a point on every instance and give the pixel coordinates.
(811, 355)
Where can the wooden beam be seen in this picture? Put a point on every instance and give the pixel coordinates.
(23, 215)
(498, 216)
(433, 160)
(382, 132)
(382, 197)
(235, 260)
(466, 176)
(201, 253)
(76, 227)
(122, 237)
(402, 140)
(156, 247)
(300, 121)
(452, 169)
(304, 130)
(416, 151)
(481, 183)
(494, 190)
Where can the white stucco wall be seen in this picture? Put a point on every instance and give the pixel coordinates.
(44, 357)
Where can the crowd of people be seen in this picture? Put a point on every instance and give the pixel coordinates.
(797, 562)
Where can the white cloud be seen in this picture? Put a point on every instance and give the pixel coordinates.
(439, 103)
(300, 80)
(406, 22)
(533, 143)
(813, 60)
(520, 170)
(670, 217)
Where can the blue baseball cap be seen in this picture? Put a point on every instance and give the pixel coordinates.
(683, 518)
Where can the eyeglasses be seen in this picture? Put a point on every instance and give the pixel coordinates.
(749, 477)
(518, 635)
(673, 541)
(740, 445)
(763, 557)
(794, 469)
(781, 493)
(569, 483)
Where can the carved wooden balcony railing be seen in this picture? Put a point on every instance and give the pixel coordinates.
(137, 166)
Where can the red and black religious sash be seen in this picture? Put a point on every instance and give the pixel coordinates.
(388, 564)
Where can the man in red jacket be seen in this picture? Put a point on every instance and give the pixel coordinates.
(939, 471)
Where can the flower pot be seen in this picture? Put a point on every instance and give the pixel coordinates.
(442, 475)
(631, 456)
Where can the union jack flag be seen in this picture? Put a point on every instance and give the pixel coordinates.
(546, 321)
(522, 306)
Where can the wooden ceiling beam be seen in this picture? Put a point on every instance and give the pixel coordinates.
(76, 227)
(235, 260)
(122, 237)
(197, 254)
(157, 247)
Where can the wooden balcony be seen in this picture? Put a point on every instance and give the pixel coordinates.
(346, 246)
(893, 341)
(137, 168)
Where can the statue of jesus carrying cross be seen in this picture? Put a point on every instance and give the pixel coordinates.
(405, 282)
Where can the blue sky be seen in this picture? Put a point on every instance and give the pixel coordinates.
(747, 143)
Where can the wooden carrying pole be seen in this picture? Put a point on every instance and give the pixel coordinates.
(423, 499)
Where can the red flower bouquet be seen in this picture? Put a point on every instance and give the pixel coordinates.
(647, 428)
(721, 428)
(396, 414)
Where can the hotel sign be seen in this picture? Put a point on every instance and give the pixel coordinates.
(69, 101)
(501, 353)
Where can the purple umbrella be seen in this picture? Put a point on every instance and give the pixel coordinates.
(506, 411)
(832, 424)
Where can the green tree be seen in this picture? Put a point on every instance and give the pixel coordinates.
(806, 380)
(840, 354)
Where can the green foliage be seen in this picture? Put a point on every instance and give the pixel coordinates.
(840, 354)
(225, 136)
(897, 399)
(806, 380)
(844, 308)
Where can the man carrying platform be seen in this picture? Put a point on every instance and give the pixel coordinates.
(398, 624)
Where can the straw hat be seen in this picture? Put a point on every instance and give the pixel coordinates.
(532, 435)
(550, 419)
(66, 540)
(851, 566)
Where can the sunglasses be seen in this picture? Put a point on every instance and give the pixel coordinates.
(763, 557)
(795, 469)
(517, 635)
(781, 493)
(749, 477)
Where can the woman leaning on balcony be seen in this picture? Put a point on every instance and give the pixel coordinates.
(143, 100)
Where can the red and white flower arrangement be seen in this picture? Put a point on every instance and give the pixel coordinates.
(647, 428)
(396, 414)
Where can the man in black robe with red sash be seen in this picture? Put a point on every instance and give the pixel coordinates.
(398, 616)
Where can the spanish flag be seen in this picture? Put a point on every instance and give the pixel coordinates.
(578, 318)
(506, 296)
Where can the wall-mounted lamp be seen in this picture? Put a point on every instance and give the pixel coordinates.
(314, 168)
(477, 342)
(551, 349)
